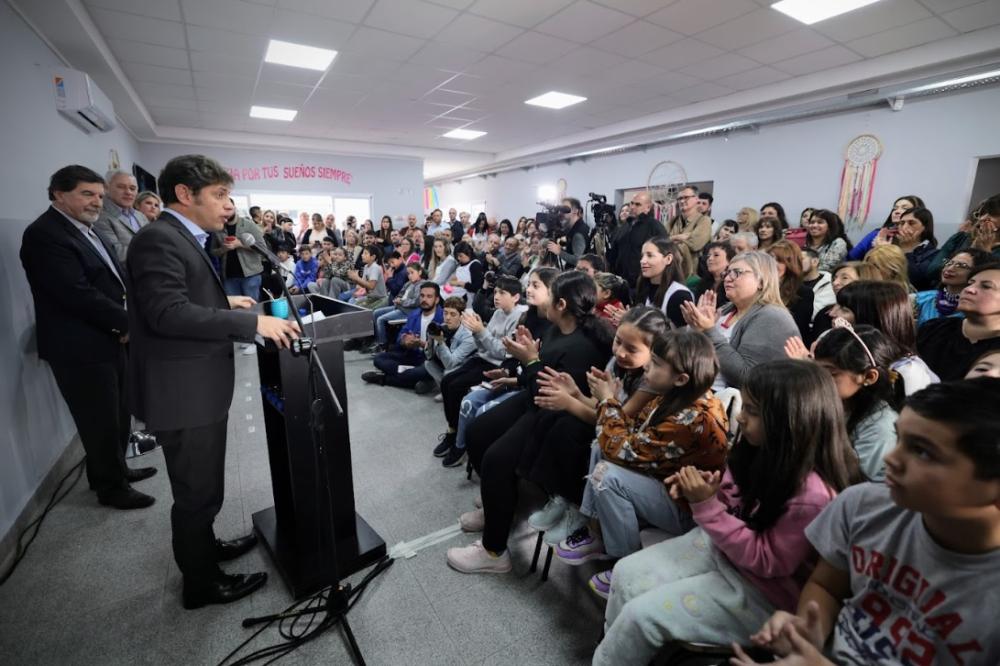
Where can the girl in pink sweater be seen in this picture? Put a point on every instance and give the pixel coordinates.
(749, 555)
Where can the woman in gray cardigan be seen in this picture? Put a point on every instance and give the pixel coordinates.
(750, 329)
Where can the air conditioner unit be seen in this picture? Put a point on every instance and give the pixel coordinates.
(80, 100)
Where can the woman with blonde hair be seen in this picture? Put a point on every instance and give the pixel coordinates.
(747, 218)
(890, 262)
(149, 204)
(753, 327)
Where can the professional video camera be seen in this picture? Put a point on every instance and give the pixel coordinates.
(601, 211)
(551, 219)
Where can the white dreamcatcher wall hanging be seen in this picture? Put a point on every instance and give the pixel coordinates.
(858, 180)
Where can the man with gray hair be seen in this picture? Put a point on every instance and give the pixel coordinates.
(119, 221)
(743, 241)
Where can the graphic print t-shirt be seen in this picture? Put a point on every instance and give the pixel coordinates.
(912, 601)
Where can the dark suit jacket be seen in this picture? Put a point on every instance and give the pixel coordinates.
(79, 302)
(181, 330)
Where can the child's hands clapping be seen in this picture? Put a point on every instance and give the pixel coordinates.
(524, 347)
(602, 385)
(556, 390)
(693, 484)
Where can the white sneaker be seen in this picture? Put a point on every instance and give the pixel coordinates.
(473, 521)
(478, 501)
(549, 515)
(476, 559)
(439, 398)
(249, 350)
(572, 520)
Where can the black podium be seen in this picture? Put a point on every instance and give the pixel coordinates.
(297, 530)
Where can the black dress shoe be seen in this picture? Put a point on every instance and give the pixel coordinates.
(138, 473)
(230, 550)
(223, 590)
(373, 377)
(126, 498)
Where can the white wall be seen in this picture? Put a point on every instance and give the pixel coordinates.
(930, 148)
(35, 426)
(395, 185)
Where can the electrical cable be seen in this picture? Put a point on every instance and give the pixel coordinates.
(22, 549)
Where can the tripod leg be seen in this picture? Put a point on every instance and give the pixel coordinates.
(355, 650)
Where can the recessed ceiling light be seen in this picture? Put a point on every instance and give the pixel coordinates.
(271, 113)
(464, 134)
(298, 55)
(555, 100)
(814, 11)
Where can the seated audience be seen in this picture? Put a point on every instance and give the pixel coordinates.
(332, 277)
(981, 231)
(577, 341)
(888, 228)
(746, 219)
(886, 306)
(717, 257)
(859, 359)
(591, 264)
(795, 295)
(683, 425)
(915, 237)
(402, 306)
(727, 229)
(661, 279)
(870, 598)
(612, 295)
(749, 550)
(987, 365)
(843, 275)
(753, 326)
(490, 351)
(403, 366)
(439, 262)
(820, 282)
(950, 345)
(370, 292)
(306, 270)
(395, 274)
(943, 301)
(825, 235)
(744, 241)
(561, 462)
(468, 276)
(448, 346)
(767, 232)
(890, 262)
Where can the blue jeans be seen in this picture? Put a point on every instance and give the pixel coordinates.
(389, 362)
(245, 286)
(475, 403)
(382, 316)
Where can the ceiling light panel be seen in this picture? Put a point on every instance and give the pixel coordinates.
(299, 55)
(814, 11)
(464, 134)
(555, 100)
(272, 113)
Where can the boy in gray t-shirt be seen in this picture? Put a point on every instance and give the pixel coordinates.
(909, 571)
(372, 279)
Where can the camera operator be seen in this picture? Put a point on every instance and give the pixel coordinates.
(574, 230)
(626, 250)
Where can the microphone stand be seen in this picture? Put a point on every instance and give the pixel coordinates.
(335, 601)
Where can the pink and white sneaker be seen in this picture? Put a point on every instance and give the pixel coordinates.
(473, 521)
(476, 559)
(581, 546)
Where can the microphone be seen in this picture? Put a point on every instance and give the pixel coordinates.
(251, 244)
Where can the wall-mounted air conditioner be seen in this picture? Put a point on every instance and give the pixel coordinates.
(82, 102)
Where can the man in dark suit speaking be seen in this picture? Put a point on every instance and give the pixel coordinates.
(182, 328)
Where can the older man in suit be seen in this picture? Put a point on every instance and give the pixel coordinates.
(183, 327)
(82, 327)
(119, 221)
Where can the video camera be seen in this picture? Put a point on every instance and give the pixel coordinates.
(551, 219)
(602, 212)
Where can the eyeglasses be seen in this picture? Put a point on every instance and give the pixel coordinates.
(840, 322)
(960, 265)
(735, 273)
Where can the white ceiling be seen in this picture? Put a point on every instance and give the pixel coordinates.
(410, 70)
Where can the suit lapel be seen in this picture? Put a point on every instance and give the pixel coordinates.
(176, 224)
(74, 233)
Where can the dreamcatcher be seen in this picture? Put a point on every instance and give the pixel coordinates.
(858, 179)
(665, 182)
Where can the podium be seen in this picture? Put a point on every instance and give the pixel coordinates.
(298, 531)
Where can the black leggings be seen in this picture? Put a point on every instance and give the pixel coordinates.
(496, 440)
(456, 384)
(560, 458)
